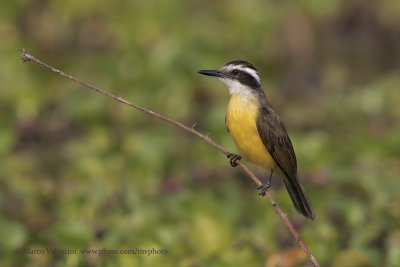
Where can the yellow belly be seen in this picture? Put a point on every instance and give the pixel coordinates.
(241, 122)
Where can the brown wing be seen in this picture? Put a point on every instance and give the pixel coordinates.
(274, 136)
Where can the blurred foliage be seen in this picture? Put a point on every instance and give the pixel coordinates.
(81, 171)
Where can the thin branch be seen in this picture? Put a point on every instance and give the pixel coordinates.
(26, 57)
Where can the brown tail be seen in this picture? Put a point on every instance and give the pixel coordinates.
(299, 198)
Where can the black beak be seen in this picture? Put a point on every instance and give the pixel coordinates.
(215, 73)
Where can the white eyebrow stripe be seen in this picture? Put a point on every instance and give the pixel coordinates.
(250, 71)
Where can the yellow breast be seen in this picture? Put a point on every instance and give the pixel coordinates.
(241, 121)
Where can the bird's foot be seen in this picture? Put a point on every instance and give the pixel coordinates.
(234, 158)
(266, 186)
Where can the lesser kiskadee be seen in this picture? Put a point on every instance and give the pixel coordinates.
(258, 132)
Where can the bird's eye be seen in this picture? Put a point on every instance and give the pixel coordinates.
(235, 72)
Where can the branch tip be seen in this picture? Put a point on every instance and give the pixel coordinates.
(25, 57)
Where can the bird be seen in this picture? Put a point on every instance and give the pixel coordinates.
(258, 132)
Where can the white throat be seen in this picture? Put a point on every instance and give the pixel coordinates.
(236, 87)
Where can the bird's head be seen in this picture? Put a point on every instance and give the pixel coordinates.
(239, 76)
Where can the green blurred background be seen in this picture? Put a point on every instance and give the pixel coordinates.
(78, 170)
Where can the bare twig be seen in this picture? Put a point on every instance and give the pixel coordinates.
(25, 57)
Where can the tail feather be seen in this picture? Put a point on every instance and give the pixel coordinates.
(299, 198)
